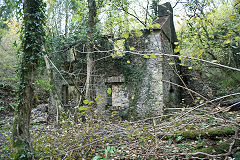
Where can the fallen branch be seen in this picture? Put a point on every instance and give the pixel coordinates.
(230, 105)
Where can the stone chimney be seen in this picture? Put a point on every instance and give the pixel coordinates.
(165, 9)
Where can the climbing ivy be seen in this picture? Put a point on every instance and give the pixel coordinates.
(32, 38)
(133, 69)
(31, 51)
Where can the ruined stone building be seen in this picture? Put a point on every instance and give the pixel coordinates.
(139, 81)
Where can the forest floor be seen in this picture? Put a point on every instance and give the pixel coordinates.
(38, 118)
(115, 139)
(5, 132)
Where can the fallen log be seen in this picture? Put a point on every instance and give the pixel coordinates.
(231, 105)
(206, 133)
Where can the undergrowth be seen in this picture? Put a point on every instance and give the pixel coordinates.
(166, 138)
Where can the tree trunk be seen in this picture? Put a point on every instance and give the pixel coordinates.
(89, 75)
(66, 18)
(90, 64)
(54, 103)
(32, 46)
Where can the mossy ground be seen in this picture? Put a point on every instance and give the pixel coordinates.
(127, 139)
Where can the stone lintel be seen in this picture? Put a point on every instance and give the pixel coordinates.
(115, 79)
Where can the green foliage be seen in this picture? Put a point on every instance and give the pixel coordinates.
(43, 84)
(8, 53)
(237, 155)
(228, 82)
(98, 139)
(30, 52)
(109, 91)
(115, 22)
(220, 147)
(7, 96)
(7, 8)
(1, 103)
(83, 108)
(109, 152)
(212, 34)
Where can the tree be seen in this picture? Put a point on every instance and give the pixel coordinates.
(8, 52)
(6, 12)
(212, 33)
(91, 24)
(32, 42)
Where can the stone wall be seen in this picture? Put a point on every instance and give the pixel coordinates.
(150, 101)
(198, 82)
(156, 91)
(171, 74)
(138, 86)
